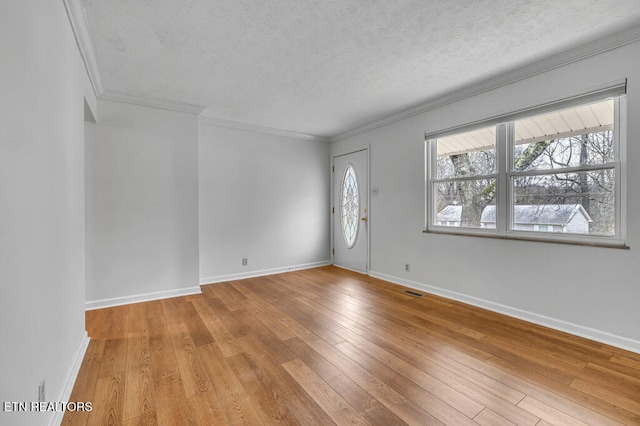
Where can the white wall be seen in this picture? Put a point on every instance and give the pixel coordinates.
(141, 204)
(263, 197)
(42, 265)
(586, 290)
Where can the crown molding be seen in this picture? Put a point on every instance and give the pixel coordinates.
(110, 95)
(566, 57)
(78, 21)
(215, 122)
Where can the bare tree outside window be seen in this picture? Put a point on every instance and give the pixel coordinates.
(594, 190)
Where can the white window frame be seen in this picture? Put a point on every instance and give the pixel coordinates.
(504, 173)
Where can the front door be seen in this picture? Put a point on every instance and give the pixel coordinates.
(350, 210)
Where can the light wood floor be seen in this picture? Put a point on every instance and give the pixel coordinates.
(327, 346)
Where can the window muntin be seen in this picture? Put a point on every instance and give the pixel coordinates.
(560, 178)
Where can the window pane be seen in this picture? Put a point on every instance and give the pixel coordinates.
(568, 138)
(466, 154)
(461, 203)
(577, 203)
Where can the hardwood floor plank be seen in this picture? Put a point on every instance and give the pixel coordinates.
(298, 329)
(382, 416)
(266, 313)
(296, 285)
(221, 335)
(206, 409)
(110, 323)
(340, 411)
(615, 399)
(271, 403)
(435, 407)
(172, 309)
(316, 326)
(194, 379)
(429, 383)
(154, 310)
(613, 380)
(528, 334)
(330, 346)
(620, 365)
(403, 344)
(628, 361)
(142, 421)
(110, 394)
(414, 415)
(548, 413)
(556, 395)
(353, 370)
(487, 417)
(139, 398)
(232, 298)
(137, 318)
(284, 388)
(167, 382)
(270, 347)
(236, 405)
(569, 400)
(114, 357)
(179, 416)
(369, 407)
(380, 321)
(198, 332)
(342, 317)
(563, 373)
(327, 320)
(460, 379)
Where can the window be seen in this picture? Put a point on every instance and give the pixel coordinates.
(552, 175)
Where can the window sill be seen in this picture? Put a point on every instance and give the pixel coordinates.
(616, 244)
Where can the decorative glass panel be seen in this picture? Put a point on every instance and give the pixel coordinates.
(349, 206)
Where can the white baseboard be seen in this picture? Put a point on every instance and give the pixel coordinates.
(567, 327)
(70, 380)
(137, 298)
(351, 269)
(261, 273)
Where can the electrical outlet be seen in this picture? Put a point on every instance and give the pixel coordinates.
(245, 261)
(407, 267)
(41, 392)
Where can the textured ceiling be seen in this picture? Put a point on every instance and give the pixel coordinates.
(326, 67)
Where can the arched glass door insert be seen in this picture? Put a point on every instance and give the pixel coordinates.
(349, 206)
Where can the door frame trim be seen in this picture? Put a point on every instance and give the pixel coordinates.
(342, 153)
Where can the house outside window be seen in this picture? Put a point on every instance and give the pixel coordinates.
(556, 174)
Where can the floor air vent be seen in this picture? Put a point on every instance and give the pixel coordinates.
(413, 293)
